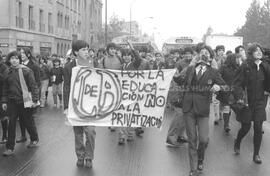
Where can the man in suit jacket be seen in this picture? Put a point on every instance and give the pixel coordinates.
(84, 152)
(199, 80)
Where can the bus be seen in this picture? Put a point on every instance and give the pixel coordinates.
(179, 42)
(137, 42)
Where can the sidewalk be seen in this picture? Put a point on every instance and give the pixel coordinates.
(146, 156)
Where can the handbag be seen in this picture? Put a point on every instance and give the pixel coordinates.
(241, 109)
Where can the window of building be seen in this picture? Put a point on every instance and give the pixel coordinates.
(50, 27)
(41, 21)
(79, 26)
(31, 18)
(19, 19)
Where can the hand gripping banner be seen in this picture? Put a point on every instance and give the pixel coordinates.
(118, 98)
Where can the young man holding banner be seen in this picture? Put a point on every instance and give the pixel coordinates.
(84, 152)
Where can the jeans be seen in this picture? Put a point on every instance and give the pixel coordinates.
(57, 90)
(84, 151)
(44, 88)
(17, 110)
(177, 127)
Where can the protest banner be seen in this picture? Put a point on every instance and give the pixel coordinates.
(118, 98)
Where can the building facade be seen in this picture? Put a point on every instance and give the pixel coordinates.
(48, 26)
(134, 28)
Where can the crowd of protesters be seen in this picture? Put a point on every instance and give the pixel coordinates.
(236, 80)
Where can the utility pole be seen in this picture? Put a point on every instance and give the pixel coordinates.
(130, 19)
(106, 30)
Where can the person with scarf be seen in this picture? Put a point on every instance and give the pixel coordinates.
(20, 95)
(251, 88)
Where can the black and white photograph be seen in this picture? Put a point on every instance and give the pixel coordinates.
(134, 88)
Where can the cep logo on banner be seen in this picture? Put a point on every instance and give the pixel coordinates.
(118, 98)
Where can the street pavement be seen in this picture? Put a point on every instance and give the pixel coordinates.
(146, 156)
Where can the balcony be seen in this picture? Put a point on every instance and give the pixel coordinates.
(31, 25)
(50, 29)
(41, 27)
(19, 22)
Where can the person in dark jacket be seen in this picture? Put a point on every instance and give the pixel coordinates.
(19, 81)
(4, 121)
(251, 85)
(57, 79)
(200, 81)
(44, 77)
(228, 72)
(29, 61)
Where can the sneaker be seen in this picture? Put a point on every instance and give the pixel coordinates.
(121, 141)
(139, 131)
(170, 143)
(21, 140)
(200, 165)
(227, 130)
(88, 163)
(112, 129)
(216, 122)
(8, 152)
(130, 138)
(80, 162)
(32, 144)
(4, 140)
(236, 148)
(182, 140)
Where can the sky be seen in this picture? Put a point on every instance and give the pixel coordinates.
(174, 18)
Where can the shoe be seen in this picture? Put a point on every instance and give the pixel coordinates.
(21, 140)
(200, 165)
(32, 144)
(139, 132)
(170, 143)
(182, 140)
(130, 138)
(88, 163)
(193, 173)
(4, 140)
(236, 148)
(8, 152)
(227, 130)
(216, 122)
(121, 141)
(80, 162)
(112, 129)
(257, 159)
(55, 105)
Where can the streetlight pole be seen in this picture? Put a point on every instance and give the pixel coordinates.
(106, 30)
(130, 15)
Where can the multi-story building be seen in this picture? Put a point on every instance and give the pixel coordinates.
(48, 26)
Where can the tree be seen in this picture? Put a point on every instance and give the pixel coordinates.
(257, 24)
(115, 28)
(208, 32)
